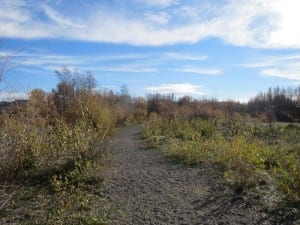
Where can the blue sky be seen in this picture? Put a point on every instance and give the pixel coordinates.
(225, 49)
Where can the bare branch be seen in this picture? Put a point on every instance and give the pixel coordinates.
(7, 200)
(6, 60)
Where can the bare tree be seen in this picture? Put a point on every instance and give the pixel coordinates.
(80, 81)
(6, 60)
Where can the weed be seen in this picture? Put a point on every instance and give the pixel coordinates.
(248, 152)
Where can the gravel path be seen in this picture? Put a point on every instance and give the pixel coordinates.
(145, 187)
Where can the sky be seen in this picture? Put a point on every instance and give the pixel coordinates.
(224, 49)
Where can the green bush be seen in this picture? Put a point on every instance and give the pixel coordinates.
(287, 170)
(192, 152)
(243, 159)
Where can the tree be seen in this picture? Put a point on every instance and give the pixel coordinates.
(277, 104)
(184, 100)
(64, 97)
(6, 60)
(37, 95)
(80, 81)
(125, 98)
(73, 92)
(39, 102)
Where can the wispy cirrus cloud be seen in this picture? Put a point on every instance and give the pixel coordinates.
(59, 19)
(121, 63)
(182, 56)
(177, 88)
(55, 59)
(282, 66)
(126, 69)
(159, 3)
(271, 61)
(262, 24)
(288, 73)
(201, 71)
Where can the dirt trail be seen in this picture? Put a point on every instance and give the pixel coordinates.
(146, 187)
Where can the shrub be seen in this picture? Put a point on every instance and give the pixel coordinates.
(244, 160)
(29, 148)
(287, 170)
(250, 153)
(34, 142)
(192, 152)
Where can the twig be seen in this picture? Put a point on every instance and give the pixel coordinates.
(6, 201)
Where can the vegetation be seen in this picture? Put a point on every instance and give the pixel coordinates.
(279, 104)
(52, 147)
(253, 151)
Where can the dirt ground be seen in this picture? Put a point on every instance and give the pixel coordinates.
(143, 186)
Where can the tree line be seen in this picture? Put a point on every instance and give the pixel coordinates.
(277, 104)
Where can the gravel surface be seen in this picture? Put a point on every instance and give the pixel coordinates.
(143, 186)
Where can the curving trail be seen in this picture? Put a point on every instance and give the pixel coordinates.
(144, 187)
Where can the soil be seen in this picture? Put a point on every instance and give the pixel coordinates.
(143, 186)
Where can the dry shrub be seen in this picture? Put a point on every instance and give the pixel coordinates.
(122, 114)
(140, 110)
(102, 117)
(38, 139)
(28, 148)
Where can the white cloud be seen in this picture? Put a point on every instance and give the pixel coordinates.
(178, 89)
(160, 3)
(181, 56)
(5, 53)
(58, 19)
(160, 18)
(272, 61)
(287, 73)
(129, 63)
(283, 66)
(93, 63)
(125, 69)
(188, 11)
(120, 57)
(201, 71)
(256, 23)
(287, 33)
(11, 96)
(45, 59)
(14, 11)
(50, 60)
